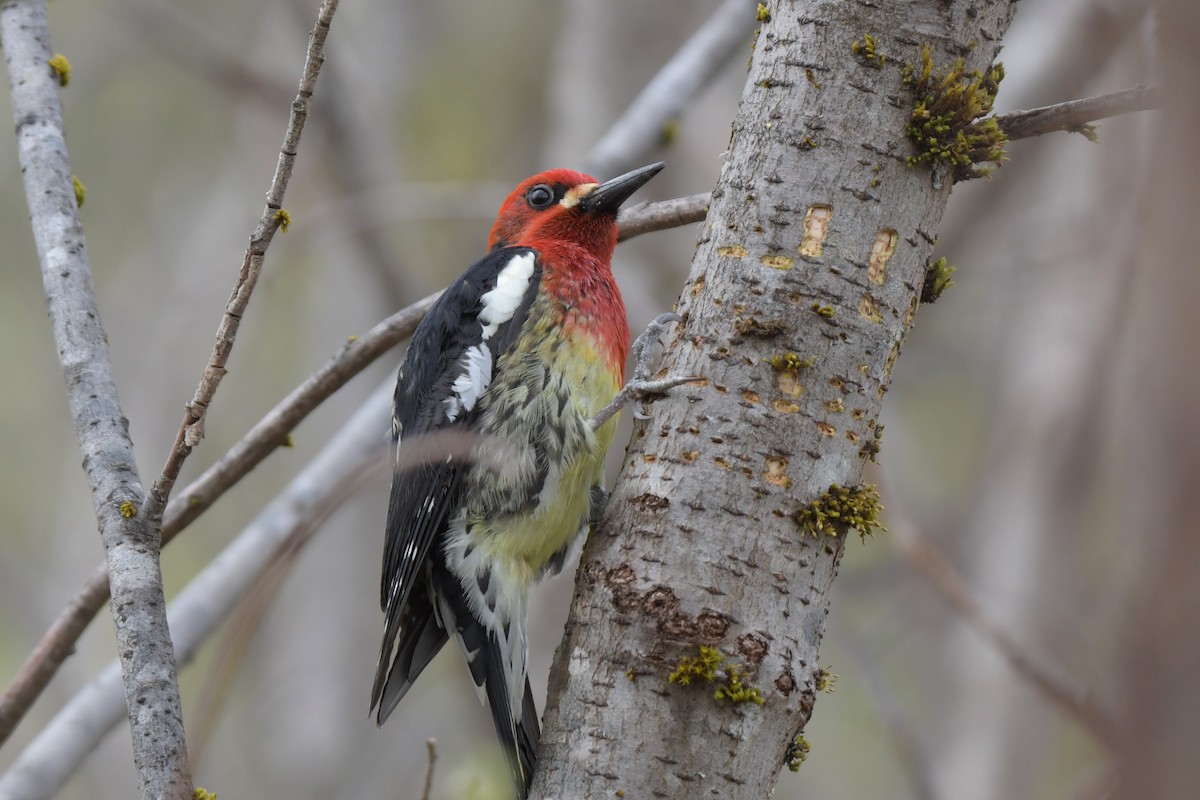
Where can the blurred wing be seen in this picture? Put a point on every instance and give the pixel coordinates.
(448, 367)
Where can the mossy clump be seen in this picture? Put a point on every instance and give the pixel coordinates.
(823, 311)
(703, 667)
(841, 509)
(949, 123)
(128, 510)
(797, 751)
(80, 191)
(284, 219)
(867, 50)
(825, 680)
(735, 691)
(872, 446)
(790, 363)
(763, 14)
(706, 667)
(1087, 130)
(203, 794)
(937, 280)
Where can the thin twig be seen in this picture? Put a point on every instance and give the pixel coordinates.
(1074, 114)
(431, 748)
(355, 455)
(951, 587)
(673, 88)
(191, 429)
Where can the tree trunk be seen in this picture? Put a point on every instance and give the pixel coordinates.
(806, 277)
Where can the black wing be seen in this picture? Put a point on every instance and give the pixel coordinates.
(449, 364)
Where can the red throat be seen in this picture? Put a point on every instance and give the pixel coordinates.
(592, 306)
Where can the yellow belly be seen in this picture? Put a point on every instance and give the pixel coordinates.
(552, 387)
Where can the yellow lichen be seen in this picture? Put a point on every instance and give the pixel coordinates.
(61, 68)
(284, 219)
(128, 509)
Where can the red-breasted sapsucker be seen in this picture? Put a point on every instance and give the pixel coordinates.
(503, 377)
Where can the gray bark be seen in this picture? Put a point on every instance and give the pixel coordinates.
(698, 546)
(131, 542)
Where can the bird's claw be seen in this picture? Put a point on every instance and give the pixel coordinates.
(641, 390)
(640, 386)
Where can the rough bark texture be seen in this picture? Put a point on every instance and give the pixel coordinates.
(131, 542)
(815, 244)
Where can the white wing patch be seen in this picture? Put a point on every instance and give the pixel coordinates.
(474, 377)
(502, 302)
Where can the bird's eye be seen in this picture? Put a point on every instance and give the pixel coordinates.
(540, 196)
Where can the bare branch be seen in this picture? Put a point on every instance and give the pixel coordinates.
(950, 586)
(650, 217)
(1074, 114)
(355, 455)
(674, 87)
(191, 430)
(131, 542)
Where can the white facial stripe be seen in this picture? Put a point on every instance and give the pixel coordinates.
(577, 193)
(502, 302)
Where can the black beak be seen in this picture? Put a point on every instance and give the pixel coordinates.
(608, 196)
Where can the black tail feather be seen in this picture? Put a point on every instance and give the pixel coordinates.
(421, 637)
(519, 737)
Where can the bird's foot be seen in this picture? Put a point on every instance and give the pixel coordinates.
(640, 386)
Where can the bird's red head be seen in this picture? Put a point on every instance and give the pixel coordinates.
(561, 205)
(571, 221)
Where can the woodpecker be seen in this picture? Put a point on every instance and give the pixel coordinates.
(515, 359)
